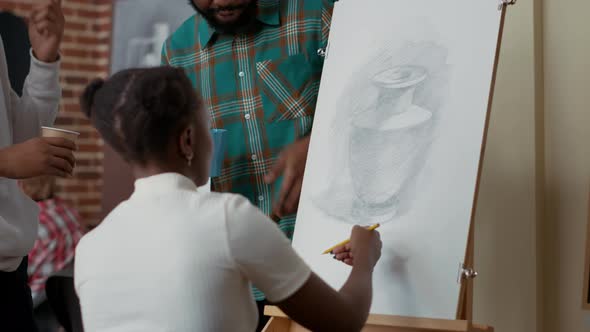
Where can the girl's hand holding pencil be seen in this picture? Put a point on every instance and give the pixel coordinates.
(364, 247)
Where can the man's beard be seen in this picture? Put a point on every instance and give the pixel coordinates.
(246, 22)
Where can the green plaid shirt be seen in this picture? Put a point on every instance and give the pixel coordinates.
(261, 87)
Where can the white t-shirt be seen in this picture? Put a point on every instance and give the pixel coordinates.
(172, 258)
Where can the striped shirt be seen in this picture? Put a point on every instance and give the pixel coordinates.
(261, 87)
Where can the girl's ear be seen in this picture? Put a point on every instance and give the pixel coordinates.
(186, 143)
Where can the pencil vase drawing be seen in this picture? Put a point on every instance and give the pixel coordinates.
(387, 144)
(389, 116)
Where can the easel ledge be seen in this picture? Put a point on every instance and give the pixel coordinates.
(279, 322)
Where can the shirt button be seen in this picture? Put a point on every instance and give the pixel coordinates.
(247, 116)
(254, 157)
(241, 74)
(261, 198)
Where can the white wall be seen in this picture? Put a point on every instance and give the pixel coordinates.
(531, 220)
(505, 290)
(567, 140)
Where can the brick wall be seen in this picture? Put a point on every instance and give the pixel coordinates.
(85, 54)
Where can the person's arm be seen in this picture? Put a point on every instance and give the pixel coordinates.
(346, 310)
(30, 155)
(319, 307)
(266, 257)
(41, 92)
(291, 162)
(39, 103)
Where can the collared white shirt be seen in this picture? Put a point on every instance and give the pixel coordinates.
(173, 258)
(20, 120)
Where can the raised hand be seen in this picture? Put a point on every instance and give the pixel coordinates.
(46, 29)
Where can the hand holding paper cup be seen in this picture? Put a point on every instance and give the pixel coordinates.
(52, 154)
(61, 154)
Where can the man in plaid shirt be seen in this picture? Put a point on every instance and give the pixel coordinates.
(257, 65)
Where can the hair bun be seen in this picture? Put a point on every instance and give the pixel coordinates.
(87, 97)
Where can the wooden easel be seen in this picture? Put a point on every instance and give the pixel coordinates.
(279, 322)
(585, 295)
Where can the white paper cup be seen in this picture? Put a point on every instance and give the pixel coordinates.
(50, 132)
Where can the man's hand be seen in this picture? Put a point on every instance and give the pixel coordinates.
(36, 157)
(291, 165)
(46, 29)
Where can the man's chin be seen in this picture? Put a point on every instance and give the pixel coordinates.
(228, 19)
(232, 21)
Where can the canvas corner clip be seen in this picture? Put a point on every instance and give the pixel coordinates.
(502, 3)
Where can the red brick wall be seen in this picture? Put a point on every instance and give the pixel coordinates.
(85, 54)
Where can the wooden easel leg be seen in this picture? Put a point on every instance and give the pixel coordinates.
(277, 324)
(480, 328)
(465, 305)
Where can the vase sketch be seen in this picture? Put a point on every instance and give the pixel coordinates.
(386, 151)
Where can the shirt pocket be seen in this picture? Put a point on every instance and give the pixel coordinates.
(289, 86)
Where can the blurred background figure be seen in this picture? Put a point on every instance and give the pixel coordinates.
(146, 51)
(15, 37)
(53, 253)
(59, 232)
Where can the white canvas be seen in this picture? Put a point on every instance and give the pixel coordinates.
(396, 140)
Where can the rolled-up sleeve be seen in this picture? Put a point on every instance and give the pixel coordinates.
(39, 103)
